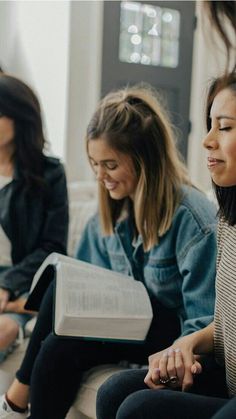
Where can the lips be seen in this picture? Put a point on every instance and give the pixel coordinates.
(110, 185)
(211, 161)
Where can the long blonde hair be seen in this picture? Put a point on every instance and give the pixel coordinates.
(133, 122)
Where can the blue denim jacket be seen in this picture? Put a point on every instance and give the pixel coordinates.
(179, 271)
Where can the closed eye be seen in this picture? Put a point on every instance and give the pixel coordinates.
(225, 129)
(111, 166)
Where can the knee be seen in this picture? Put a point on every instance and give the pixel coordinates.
(8, 331)
(144, 404)
(132, 407)
(50, 349)
(56, 353)
(108, 397)
(115, 389)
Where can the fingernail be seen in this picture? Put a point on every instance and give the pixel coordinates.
(170, 351)
(194, 369)
(177, 350)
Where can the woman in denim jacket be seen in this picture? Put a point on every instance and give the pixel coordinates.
(152, 224)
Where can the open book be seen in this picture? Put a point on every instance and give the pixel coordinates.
(93, 302)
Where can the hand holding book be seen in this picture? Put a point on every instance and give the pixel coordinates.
(94, 302)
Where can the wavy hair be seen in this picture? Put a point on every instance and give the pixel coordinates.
(19, 103)
(133, 122)
(226, 196)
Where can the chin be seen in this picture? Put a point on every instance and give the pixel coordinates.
(224, 184)
(116, 196)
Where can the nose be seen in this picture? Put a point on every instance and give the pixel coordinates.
(100, 173)
(210, 141)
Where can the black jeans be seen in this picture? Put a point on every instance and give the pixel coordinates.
(53, 366)
(125, 396)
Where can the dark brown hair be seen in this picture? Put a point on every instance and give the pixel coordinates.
(19, 103)
(226, 196)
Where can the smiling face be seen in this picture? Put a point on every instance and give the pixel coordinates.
(115, 170)
(220, 142)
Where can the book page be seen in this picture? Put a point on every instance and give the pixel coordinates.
(89, 291)
(53, 259)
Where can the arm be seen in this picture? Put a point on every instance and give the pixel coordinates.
(53, 237)
(180, 359)
(196, 259)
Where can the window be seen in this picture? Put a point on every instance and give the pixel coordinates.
(149, 35)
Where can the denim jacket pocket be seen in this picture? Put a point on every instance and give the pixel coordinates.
(163, 281)
(119, 263)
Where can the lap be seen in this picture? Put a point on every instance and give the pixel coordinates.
(88, 353)
(129, 388)
(12, 327)
(19, 318)
(228, 411)
(109, 352)
(162, 404)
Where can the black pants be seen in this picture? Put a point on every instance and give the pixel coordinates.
(54, 366)
(125, 396)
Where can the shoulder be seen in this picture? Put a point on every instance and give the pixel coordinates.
(53, 168)
(195, 206)
(93, 224)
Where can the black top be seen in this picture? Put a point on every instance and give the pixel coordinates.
(36, 224)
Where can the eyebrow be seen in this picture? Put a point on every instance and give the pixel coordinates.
(104, 161)
(225, 117)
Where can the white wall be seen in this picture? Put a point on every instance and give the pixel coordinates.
(84, 81)
(209, 61)
(34, 45)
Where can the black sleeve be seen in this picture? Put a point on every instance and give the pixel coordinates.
(18, 278)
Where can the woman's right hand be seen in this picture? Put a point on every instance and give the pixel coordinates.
(175, 365)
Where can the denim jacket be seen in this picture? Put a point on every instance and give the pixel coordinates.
(179, 271)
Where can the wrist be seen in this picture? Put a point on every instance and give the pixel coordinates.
(202, 340)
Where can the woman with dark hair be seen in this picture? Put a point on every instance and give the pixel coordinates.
(152, 224)
(219, 337)
(33, 204)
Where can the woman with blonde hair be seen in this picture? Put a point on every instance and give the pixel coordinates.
(151, 224)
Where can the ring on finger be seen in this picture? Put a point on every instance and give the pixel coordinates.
(173, 379)
(164, 380)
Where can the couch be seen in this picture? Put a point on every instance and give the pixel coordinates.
(82, 204)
